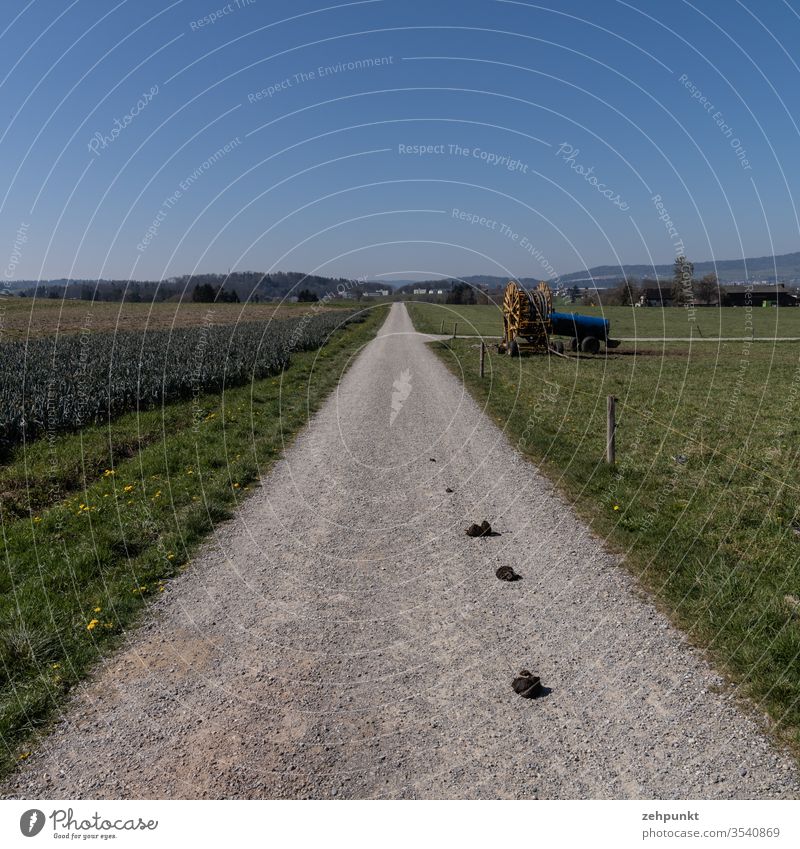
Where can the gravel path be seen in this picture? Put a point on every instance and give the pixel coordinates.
(342, 637)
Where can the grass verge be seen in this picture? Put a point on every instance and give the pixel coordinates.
(703, 501)
(115, 511)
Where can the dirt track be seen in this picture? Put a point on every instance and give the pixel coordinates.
(343, 637)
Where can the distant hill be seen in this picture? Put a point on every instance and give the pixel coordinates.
(784, 268)
(246, 284)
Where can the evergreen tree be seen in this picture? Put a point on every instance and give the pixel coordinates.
(682, 280)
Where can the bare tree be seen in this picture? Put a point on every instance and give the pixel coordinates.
(708, 289)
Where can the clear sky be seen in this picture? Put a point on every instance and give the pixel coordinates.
(148, 139)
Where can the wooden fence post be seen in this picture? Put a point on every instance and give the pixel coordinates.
(455, 329)
(611, 430)
(441, 329)
(483, 354)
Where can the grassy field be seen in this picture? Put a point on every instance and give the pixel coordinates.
(703, 501)
(24, 318)
(95, 522)
(627, 322)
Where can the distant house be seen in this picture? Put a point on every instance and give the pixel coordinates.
(660, 295)
(657, 295)
(378, 293)
(756, 295)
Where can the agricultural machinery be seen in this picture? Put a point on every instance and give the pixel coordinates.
(529, 323)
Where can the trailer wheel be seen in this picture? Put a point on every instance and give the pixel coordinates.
(575, 344)
(558, 347)
(590, 345)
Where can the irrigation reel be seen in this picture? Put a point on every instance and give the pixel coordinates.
(529, 324)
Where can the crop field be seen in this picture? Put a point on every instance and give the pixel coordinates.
(59, 383)
(703, 502)
(96, 521)
(26, 318)
(626, 322)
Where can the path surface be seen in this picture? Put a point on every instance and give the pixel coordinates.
(342, 637)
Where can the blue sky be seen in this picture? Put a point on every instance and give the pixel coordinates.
(233, 150)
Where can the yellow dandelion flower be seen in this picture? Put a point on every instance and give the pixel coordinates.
(108, 473)
(93, 624)
(616, 506)
(37, 519)
(128, 488)
(170, 556)
(97, 609)
(54, 665)
(23, 756)
(236, 486)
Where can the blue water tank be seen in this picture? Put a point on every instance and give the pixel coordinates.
(580, 326)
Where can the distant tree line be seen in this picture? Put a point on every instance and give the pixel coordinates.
(245, 285)
(205, 293)
(464, 293)
(682, 290)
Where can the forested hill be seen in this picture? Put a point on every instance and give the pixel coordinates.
(245, 284)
